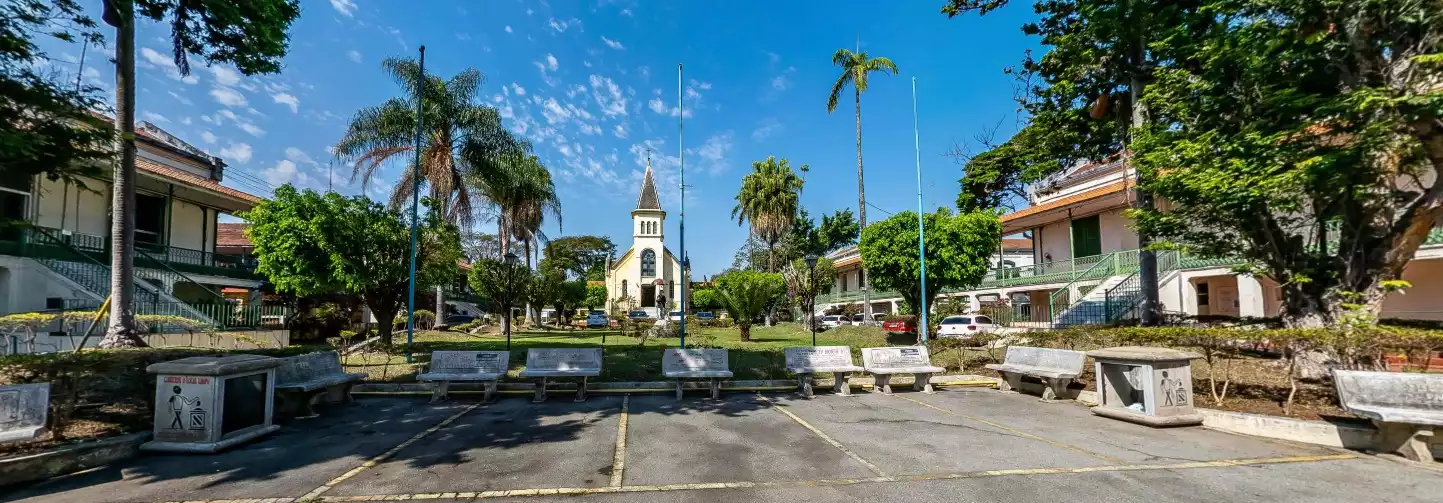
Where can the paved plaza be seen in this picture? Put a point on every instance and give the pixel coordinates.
(968, 444)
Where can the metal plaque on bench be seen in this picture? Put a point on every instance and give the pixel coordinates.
(471, 362)
(564, 359)
(896, 357)
(23, 409)
(694, 360)
(819, 357)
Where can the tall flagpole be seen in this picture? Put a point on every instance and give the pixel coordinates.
(681, 156)
(415, 201)
(921, 229)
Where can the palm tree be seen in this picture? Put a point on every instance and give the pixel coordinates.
(523, 193)
(768, 199)
(855, 68)
(459, 137)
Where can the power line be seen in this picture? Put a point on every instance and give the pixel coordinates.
(875, 207)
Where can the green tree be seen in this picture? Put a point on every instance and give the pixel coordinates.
(856, 70)
(251, 35)
(705, 299)
(804, 284)
(504, 282)
(545, 289)
(595, 297)
(768, 200)
(308, 244)
(570, 295)
(583, 257)
(995, 178)
(836, 231)
(747, 295)
(523, 193)
(959, 248)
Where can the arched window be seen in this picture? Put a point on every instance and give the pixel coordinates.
(648, 264)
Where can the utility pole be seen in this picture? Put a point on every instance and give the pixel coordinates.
(921, 217)
(415, 201)
(681, 159)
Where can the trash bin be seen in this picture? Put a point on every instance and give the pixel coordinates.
(1151, 386)
(209, 403)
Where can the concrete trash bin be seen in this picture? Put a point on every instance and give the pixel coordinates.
(205, 404)
(1151, 386)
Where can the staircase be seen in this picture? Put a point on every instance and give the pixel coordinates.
(1093, 307)
(88, 272)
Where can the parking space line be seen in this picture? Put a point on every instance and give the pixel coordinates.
(824, 436)
(583, 491)
(618, 460)
(315, 493)
(1015, 431)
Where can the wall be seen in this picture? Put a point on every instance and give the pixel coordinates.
(25, 284)
(1424, 301)
(185, 226)
(85, 210)
(1116, 236)
(1055, 240)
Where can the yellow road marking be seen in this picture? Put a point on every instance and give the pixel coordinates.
(385, 455)
(582, 491)
(1015, 431)
(824, 436)
(618, 460)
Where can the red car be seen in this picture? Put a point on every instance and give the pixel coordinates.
(907, 325)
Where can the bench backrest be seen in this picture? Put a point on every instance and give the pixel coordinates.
(470, 362)
(564, 359)
(813, 357)
(896, 357)
(1047, 358)
(694, 360)
(1389, 389)
(302, 368)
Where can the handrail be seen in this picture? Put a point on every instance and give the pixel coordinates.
(98, 284)
(1107, 266)
(166, 267)
(1123, 297)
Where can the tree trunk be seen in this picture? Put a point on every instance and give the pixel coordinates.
(746, 329)
(122, 331)
(440, 307)
(862, 211)
(385, 323)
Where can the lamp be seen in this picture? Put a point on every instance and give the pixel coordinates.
(811, 259)
(510, 258)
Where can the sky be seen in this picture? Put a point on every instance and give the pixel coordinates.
(593, 85)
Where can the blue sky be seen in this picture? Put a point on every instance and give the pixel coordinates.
(593, 85)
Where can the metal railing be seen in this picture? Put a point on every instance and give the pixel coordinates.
(186, 259)
(1106, 266)
(1123, 298)
(1059, 271)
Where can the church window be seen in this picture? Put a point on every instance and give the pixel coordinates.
(623, 289)
(648, 264)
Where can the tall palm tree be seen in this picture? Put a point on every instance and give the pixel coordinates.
(768, 199)
(523, 194)
(856, 66)
(459, 137)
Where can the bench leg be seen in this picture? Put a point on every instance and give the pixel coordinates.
(678, 390)
(439, 391)
(884, 383)
(842, 383)
(490, 387)
(581, 390)
(923, 383)
(1055, 389)
(716, 389)
(540, 390)
(1407, 440)
(804, 385)
(295, 405)
(305, 404)
(1011, 381)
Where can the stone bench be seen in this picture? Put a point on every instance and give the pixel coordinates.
(486, 367)
(23, 411)
(705, 364)
(886, 362)
(1055, 367)
(301, 379)
(1406, 408)
(836, 360)
(545, 364)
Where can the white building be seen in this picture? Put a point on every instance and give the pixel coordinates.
(647, 276)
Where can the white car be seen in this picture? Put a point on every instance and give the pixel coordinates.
(966, 326)
(674, 316)
(834, 321)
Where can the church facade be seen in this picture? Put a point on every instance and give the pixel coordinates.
(647, 276)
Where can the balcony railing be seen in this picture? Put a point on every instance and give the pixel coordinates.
(181, 259)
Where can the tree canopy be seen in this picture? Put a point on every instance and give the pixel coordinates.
(768, 201)
(583, 257)
(746, 295)
(959, 248)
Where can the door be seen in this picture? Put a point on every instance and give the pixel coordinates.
(1225, 301)
(1086, 237)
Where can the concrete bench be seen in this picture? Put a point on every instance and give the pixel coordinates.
(485, 367)
(836, 360)
(1055, 367)
(301, 379)
(1406, 408)
(545, 364)
(706, 364)
(886, 362)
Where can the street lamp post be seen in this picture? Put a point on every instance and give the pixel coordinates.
(812, 295)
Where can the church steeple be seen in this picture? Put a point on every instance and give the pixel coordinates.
(648, 200)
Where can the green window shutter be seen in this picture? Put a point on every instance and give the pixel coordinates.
(1086, 237)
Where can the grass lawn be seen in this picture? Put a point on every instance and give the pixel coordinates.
(626, 360)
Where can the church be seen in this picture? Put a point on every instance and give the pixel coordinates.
(647, 277)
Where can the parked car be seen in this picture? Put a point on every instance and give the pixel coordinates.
(965, 327)
(638, 315)
(705, 316)
(675, 316)
(901, 325)
(834, 321)
(457, 319)
(596, 320)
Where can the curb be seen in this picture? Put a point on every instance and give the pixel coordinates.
(70, 459)
(654, 386)
(1341, 435)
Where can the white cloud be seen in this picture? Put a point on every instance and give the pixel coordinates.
(463, 36)
(208, 136)
(345, 7)
(613, 44)
(705, 86)
(251, 128)
(608, 95)
(228, 97)
(550, 64)
(185, 120)
(619, 131)
(237, 153)
(225, 76)
(180, 99)
(781, 83)
(298, 155)
(155, 59)
(554, 112)
(774, 57)
(627, 13)
(713, 152)
(289, 100)
(516, 88)
(354, 55)
(590, 129)
(562, 26)
(574, 90)
(153, 117)
(766, 129)
(508, 28)
(284, 172)
(657, 105)
(240, 122)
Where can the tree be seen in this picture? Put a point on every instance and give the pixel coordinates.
(807, 238)
(570, 295)
(768, 200)
(959, 250)
(746, 295)
(805, 284)
(308, 243)
(1307, 139)
(595, 296)
(705, 299)
(583, 257)
(995, 178)
(505, 283)
(49, 128)
(251, 35)
(523, 193)
(856, 69)
(545, 289)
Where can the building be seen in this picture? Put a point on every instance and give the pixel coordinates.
(61, 260)
(1084, 262)
(647, 276)
(847, 264)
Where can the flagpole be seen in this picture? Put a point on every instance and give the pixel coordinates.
(415, 201)
(681, 157)
(921, 229)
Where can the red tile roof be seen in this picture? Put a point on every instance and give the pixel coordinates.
(177, 175)
(1016, 244)
(1112, 188)
(231, 235)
